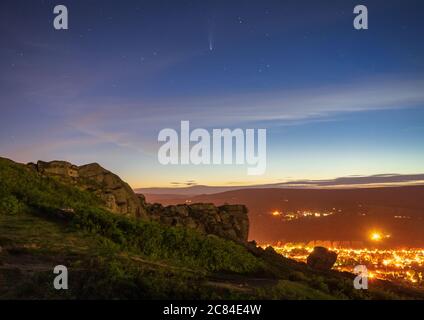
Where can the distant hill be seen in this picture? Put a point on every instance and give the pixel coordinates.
(380, 180)
(399, 211)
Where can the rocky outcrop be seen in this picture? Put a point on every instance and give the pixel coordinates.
(115, 193)
(228, 221)
(61, 169)
(321, 258)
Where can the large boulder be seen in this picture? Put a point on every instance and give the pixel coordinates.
(228, 221)
(236, 217)
(322, 259)
(60, 169)
(117, 195)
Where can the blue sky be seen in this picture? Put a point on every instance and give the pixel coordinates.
(335, 101)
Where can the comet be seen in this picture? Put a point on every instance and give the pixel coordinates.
(211, 34)
(210, 40)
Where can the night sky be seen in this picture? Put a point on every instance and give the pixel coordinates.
(335, 101)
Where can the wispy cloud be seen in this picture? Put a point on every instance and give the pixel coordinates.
(188, 183)
(278, 105)
(134, 123)
(358, 181)
(303, 104)
(139, 122)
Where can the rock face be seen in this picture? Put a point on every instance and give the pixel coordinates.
(322, 259)
(115, 193)
(60, 169)
(228, 221)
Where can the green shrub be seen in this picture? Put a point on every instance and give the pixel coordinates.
(10, 205)
(185, 246)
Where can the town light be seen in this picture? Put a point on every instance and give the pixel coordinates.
(376, 236)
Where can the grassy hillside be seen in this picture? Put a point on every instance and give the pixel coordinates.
(44, 223)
